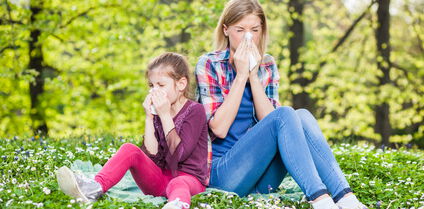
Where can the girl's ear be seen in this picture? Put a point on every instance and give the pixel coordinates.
(182, 84)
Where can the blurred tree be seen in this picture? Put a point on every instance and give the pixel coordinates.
(36, 88)
(85, 61)
(382, 111)
(297, 66)
(296, 72)
(339, 78)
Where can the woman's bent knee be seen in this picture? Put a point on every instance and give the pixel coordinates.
(303, 113)
(284, 112)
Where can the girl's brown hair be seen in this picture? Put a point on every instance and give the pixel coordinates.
(179, 65)
(233, 12)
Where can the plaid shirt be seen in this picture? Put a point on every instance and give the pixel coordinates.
(215, 74)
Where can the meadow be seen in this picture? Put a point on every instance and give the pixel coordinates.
(381, 177)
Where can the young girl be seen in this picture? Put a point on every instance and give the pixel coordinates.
(256, 142)
(172, 161)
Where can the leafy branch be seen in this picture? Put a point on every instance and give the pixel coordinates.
(343, 38)
(8, 47)
(85, 12)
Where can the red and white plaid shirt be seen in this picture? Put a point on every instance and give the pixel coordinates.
(215, 74)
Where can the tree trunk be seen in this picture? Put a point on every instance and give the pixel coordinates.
(296, 42)
(36, 88)
(182, 37)
(382, 33)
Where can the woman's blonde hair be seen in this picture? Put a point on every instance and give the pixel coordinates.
(234, 11)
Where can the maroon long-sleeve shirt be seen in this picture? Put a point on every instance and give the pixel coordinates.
(190, 155)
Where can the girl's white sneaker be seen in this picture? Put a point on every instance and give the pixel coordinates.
(78, 186)
(176, 204)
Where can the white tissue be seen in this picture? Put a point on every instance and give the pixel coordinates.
(152, 108)
(248, 36)
(252, 61)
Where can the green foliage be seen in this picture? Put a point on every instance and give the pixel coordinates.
(393, 177)
(95, 55)
(346, 90)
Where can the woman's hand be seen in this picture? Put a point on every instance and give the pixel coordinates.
(255, 52)
(147, 104)
(161, 102)
(241, 59)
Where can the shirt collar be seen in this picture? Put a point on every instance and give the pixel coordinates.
(221, 55)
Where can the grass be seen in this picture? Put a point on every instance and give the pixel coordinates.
(380, 178)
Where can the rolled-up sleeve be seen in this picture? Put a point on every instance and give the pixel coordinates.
(156, 158)
(187, 136)
(271, 89)
(208, 88)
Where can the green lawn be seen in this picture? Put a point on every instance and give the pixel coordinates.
(381, 179)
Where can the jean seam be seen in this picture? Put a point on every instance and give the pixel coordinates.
(285, 149)
(308, 137)
(221, 161)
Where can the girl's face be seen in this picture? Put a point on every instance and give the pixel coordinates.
(250, 23)
(160, 79)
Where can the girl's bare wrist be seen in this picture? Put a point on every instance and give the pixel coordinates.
(149, 118)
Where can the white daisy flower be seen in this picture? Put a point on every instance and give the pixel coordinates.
(46, 190)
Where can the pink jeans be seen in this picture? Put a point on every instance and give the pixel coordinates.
(150, 178)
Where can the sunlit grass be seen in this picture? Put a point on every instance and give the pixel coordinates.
(380, 178)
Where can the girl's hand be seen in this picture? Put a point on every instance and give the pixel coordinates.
(241, 59)
(161, 102)
(255, 52)
(146, 104)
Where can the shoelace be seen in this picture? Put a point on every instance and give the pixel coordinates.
(179, 203)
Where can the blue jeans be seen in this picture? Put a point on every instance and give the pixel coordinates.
(284, 141)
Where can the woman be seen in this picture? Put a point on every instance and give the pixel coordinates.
(256, 142)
